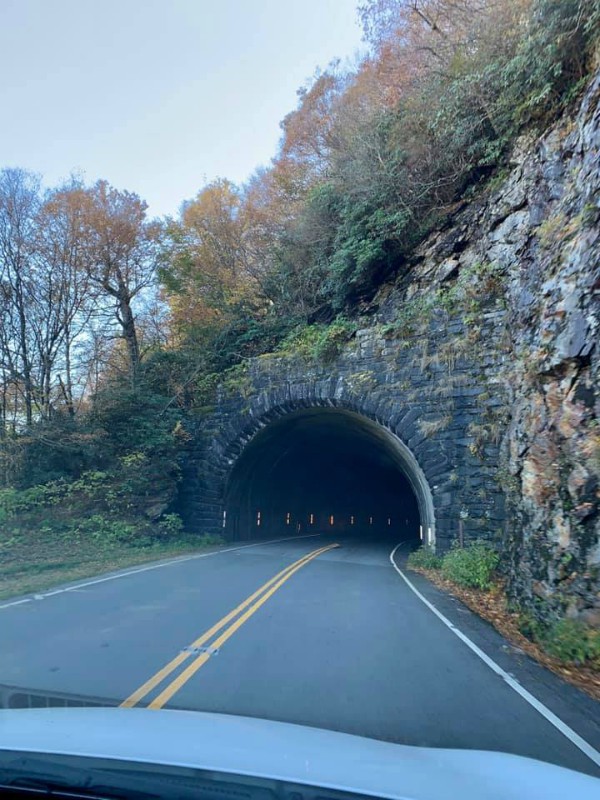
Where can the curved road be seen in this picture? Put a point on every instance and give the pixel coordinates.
(301, 631)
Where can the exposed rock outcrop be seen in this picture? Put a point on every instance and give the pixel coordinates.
(540, 230)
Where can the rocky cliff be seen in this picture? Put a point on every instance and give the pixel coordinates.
(537, 232)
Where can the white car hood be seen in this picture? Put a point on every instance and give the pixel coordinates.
(255, 747)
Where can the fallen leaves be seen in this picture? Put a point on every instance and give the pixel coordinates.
(491, 606)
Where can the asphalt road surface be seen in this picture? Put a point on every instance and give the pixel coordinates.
(300, 631)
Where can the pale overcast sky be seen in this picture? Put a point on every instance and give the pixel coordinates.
(158, 96)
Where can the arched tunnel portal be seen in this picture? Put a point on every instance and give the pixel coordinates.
(327, 470)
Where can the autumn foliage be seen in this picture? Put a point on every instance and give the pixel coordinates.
(374, 155)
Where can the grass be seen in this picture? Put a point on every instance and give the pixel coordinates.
(38, 562)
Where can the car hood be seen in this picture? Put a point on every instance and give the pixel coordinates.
(281, 751)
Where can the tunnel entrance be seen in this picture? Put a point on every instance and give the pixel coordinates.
(327, 470)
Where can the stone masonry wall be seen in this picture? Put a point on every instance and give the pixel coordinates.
(434, 406)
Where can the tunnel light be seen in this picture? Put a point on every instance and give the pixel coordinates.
(312, 519)
(389, 520)
(331, 520)
(351, 520)
(421, 532)
(370, 520)
(428, 535)
(224, 518)
(288, 518)
(258, 519)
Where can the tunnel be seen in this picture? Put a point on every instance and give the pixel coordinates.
(327, 470)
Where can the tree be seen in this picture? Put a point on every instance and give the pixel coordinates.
(121, 257)
(309, 133)
(207, 271)
(64, 299)
(19, 202)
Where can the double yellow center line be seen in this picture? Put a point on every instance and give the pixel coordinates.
(237, 617)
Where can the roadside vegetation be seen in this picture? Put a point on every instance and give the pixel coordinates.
(32, 563)
(62, 531)
(472, 566)
(567, 646)
(116, 329)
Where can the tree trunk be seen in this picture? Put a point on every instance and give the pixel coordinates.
(47, 388)
(127, 321)
(27, 382)
(68, 386)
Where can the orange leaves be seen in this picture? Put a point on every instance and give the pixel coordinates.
(117, 228)
(412, 40)
(213, 229)
(309, 131)
(367, 154)
(208, 271)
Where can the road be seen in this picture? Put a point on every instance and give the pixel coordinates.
(301, 631)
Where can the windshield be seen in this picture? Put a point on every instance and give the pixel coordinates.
(299, 398)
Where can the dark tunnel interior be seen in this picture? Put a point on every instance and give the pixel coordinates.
(321, 470)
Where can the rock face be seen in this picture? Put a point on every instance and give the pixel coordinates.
(541, 228)
(483, 358)
(552, 445)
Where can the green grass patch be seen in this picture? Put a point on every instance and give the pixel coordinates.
(65, 531)
(36, 563)
(36, 557)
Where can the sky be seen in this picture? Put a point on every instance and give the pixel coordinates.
(158, 96)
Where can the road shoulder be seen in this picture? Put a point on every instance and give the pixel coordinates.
(575, 708)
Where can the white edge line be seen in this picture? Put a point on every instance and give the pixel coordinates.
(561, 726)
(171, 561)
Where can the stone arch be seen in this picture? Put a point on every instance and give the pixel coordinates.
(419, 459)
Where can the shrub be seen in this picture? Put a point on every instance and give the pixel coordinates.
(572, 641)
(335, 336)
(471, 566)
(110, 531)
(424, 558)
(124, 533)
(236, 380)
(319, 342)
(16, 501)
(171, 525)
(530, 626)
